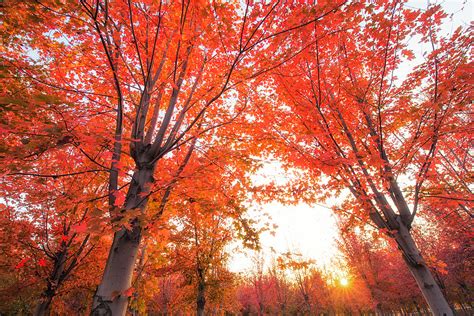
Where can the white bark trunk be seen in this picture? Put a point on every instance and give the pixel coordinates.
(416, 264)
(117, 278)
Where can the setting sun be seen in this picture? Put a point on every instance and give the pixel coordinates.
(344, 282)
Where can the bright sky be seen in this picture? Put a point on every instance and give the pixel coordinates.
(312, 230)
(308, 230)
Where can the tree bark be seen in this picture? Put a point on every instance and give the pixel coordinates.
(117, 278)
(416, 264)
(201, 299)
(307, 303)
(417, 308)
(53, 282)
(43, 306)
(378, 309)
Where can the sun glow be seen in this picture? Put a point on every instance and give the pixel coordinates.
(344, 282)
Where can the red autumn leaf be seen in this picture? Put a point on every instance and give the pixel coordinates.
(22, 263)
(128, 292)
(79, 228)
(42, 262)
(119, 198)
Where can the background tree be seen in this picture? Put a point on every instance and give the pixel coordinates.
(53, 206)
(377, 269)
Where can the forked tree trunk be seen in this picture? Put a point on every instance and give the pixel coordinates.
(416, 264)
(117, 278)
(53, 283)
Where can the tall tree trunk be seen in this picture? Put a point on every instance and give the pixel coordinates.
(416, 264)
(417, 308)
(261, 308)
(53, 282)
(201, 299)
(378, 309)
(117, 278)
(43, 306)
(307, 303)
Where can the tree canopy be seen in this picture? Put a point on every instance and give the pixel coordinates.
(136, 126)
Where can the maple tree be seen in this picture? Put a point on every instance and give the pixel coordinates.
(184, 55)
(195, 251)
(52, 242)
(294, 284)
(309, 282)
(263, 291)
(353, 122)
(449, 255)
(50, 207)
(369, 257)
